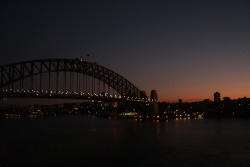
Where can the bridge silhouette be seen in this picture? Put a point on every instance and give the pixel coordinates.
(65, 78)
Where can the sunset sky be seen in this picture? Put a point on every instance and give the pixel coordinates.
(183, 49)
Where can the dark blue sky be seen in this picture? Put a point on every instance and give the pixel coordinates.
(183, 49)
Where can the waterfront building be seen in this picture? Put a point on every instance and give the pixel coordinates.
(153, 95)
(154, 102)
(217, 97)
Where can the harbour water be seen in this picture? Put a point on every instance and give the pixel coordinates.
(85, 141)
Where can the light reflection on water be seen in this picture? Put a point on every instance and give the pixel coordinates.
(82, 141)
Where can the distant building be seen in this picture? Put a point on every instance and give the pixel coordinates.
(180, 101)
(227, 99)
(216, 97)
(154, 102)
(153, 95)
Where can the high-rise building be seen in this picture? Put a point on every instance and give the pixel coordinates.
(154, 102)
(153, 95)
(216, 97)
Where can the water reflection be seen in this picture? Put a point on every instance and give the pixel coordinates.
(89, 141)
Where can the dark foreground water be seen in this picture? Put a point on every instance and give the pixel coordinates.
(88, 141)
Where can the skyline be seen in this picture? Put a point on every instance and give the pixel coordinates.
(183, 50)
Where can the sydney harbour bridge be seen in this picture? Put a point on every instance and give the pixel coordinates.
(66, 78)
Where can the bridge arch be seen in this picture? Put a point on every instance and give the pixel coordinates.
(15, 72)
